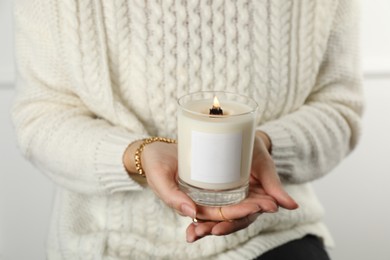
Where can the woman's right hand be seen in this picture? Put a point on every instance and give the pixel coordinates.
(159, 162)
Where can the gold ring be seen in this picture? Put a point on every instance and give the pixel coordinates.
(194, 219)
(222, 216)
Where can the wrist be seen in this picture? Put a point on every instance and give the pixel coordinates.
(128, 157)
(132, 156)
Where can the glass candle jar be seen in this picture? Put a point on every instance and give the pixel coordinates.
(215, 149)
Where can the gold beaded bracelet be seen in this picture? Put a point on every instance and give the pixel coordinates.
(146, 141)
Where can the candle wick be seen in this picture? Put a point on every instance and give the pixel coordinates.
(216, 111)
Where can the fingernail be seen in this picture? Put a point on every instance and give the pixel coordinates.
(188, 211)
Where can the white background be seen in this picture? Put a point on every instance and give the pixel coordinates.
(356, 194)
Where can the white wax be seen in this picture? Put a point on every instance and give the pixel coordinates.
(235, 128)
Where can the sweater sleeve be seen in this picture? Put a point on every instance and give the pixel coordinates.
(309, 142)
(56, 131)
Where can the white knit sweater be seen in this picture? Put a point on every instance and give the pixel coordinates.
(96, 75)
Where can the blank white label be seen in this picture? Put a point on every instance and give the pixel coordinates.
(216, 158)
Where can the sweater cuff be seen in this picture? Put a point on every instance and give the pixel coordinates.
(283, 149)
(109, 162)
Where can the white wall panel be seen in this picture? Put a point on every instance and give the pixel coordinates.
(7, 70)
(375, 37)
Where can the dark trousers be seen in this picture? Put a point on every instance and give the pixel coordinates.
(307, 248)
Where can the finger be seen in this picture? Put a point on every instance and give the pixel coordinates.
(228, 213)
(255, 203)
(273, 186)
(190, 233)
(197, 231)
(270, 181)
(225, 228)
(204, 228)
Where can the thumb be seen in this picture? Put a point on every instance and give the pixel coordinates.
(182, 204)
(273, 187)
(168, 191)
(264, 171)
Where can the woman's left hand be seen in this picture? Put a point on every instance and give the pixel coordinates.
(265, 195)
(228, 219)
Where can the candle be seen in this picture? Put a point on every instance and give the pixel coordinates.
(215, 146)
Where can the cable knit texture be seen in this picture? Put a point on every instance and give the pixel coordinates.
(93, 76)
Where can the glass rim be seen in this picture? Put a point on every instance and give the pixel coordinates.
(254, 106)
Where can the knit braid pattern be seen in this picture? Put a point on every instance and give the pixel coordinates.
(138, 66)
(218, 9)
(210, 51)
(267, 49)
(194, 45)
(182, 42)
(243, 47)
(118, 42)
(280, 17)
(111, 25)
(92, 54)
(207, 45)
(170, 63)
(306, 70)
(231, 32)
(259, 53)
(155, 60)
(92, 70)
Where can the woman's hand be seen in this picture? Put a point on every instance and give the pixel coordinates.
(264, 172)
(225, 220)
(159, 161)
(266, 193)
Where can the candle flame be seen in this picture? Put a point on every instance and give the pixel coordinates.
(216, 103)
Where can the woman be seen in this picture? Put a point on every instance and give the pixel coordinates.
(98, 77)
